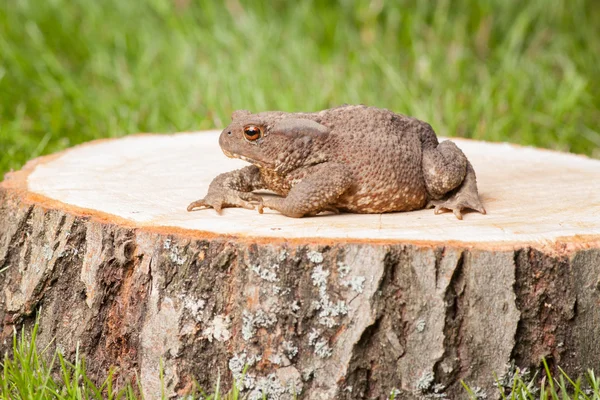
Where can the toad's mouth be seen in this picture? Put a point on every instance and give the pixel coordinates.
(248, 159)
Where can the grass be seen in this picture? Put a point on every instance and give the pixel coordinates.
(75, 70)
(26, 374)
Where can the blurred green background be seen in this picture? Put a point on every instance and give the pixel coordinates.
(501, 70)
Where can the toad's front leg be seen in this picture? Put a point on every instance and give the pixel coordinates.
(233, 189)
(317, 191)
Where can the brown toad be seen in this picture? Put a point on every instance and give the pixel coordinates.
(351, 158)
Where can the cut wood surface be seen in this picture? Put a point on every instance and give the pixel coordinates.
(531, 195)
(98, 240)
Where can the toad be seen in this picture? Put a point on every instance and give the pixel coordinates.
(355, 159)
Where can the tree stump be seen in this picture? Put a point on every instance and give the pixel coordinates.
(98, 242)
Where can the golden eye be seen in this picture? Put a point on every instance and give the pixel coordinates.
(252, 133)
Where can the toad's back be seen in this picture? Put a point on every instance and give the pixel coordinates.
(383, 150)
(364, 120)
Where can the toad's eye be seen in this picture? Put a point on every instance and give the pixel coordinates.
(252, 133)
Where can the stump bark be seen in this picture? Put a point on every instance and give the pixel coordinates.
(97, 241)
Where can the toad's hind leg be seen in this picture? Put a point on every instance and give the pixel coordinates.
(464, 197)
(450, 179)
(444, 168)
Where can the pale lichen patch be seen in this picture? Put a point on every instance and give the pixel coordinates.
(356, 283)
(283, 255)
(267, 387)
(437, 392)
(218, 329)
(251, 321)
(248, 329)
(343, 269)
(313, 336)
(290, 349)
(479, 393)
(319, 276)
(193, 306)
(322, 348)
(177, 256)
(425, 381)
(237, 363)
(327, 308)
(283, 384)
(295, 306)
(327, 321)
(266, 274)
(315, 257)
(320, 345)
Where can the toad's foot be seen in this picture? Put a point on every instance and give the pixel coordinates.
(465, 197)
(457, 203)
(228, 198)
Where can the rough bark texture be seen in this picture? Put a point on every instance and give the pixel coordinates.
(328, 320)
